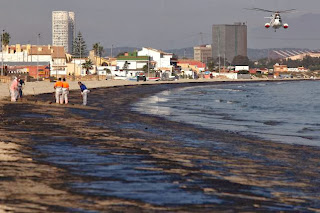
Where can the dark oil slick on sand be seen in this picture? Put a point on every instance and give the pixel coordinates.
(105, 157)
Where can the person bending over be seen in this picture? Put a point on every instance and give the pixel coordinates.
(84, 93)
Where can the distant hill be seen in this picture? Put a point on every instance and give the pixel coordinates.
(183, 52)
(256, 54)
(253, 54)
(187, 52)
(117, 50)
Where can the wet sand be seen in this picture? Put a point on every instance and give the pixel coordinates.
(75, 158)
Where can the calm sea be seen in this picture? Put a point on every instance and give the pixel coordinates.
(285, 112)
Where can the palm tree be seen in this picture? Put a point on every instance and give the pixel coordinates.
(5, 38)
(87, 65)
(95, 47)
(100, 51)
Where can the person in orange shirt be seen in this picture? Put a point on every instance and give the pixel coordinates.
(65, 91)
(58, 87)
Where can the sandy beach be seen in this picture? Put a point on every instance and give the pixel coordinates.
(53, 158)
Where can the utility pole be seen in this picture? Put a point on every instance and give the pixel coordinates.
(219, 50)
(38, 56)
(148, 66)
(73, 50)
(224, 65)
(2, 70)
(111, 51)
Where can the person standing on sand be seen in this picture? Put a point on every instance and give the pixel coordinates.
(58, 87)
(84, 92)
(20, 86)
(65, 91)
(14, 91)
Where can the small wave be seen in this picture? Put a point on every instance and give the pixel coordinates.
(155, 99)
(308, 129)
(272, 123)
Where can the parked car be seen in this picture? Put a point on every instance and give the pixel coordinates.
(141, 77)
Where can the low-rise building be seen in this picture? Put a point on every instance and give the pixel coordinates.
(191, 65)
(160, 59)
(280, 68)
(36, 70)
(298, 69)
(203, 53)
(132, 61)
(41, 54)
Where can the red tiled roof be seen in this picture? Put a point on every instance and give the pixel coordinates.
(54, 51)
(199, 64)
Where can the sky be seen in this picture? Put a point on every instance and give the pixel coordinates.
(163, 24)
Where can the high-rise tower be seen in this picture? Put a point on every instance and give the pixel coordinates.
(229, 41)
(63, 29)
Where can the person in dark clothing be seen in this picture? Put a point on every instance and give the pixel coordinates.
(20, 86)
(84, 92)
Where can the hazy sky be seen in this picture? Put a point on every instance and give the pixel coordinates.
(164, 24)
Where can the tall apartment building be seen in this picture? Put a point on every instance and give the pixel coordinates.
(63, 29)
(203, 53)
(229, 41)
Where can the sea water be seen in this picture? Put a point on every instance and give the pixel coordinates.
(286, 112)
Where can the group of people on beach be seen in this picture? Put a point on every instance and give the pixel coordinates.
(16, 89)
(62, 91)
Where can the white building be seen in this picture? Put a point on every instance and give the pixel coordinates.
(47, 54)
(160, 59)
(132, 64)
(63, 32)
(241, 68)
(131, 61)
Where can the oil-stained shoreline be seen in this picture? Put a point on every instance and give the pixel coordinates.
(243, 174)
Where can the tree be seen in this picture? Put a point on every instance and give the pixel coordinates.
(88, 65)
(211, 65)
(5, 38)
(95, 47)
(79, 47)
(145, 68)
(108, 71)
(240, 60)
(100, 52)
(121, 54)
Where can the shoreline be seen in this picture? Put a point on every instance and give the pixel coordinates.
(42, 87)
(29, 125)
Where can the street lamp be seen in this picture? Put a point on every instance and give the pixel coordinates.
(38, 56)
(2, 52)
(57, 58)
(79, 39)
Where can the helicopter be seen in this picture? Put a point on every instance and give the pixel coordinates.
(275, 19)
